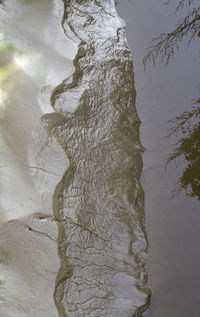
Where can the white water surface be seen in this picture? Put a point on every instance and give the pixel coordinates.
(35, 56)
(39, 57)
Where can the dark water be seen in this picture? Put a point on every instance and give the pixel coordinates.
(164, 93)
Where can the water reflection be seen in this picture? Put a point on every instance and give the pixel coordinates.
(32, 63)
(7, 68)
(188, 148)
(186, 127)
(165, 45)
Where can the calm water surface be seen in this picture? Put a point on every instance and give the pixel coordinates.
(77, 164)
(173, 224)
(100, 252)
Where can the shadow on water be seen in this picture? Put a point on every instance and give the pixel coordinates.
(186, 126)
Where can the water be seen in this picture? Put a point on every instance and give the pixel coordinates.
(73, 237)
(74, 163)
(172, 224)
(30, 67)
(35, 56)
(99, 202)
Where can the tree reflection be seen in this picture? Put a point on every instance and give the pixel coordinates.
(188, 147)
(166, 44)
(186, 126)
